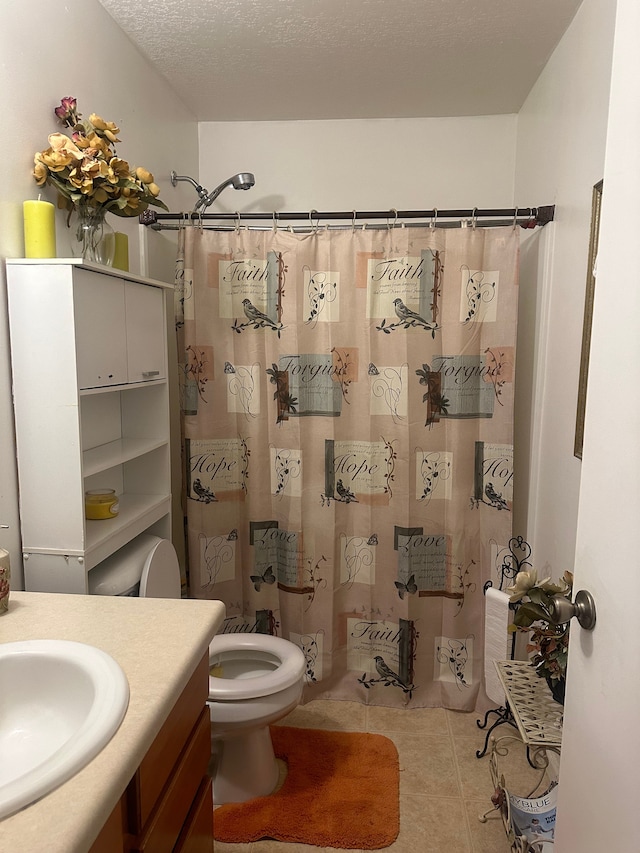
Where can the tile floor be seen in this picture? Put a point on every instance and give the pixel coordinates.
(443, 786)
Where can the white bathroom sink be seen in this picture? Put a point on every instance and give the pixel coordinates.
(61, 702)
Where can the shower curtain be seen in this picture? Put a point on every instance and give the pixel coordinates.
(347, 401)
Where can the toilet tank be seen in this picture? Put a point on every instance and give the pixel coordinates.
(147, 567)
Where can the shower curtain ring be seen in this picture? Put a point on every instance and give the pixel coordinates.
(515, 219)
(353, 221)
(237, 222)
(395, 219)
(275, 221)
(435, 218)
(314, 228)
(473, 218)
(200, 224)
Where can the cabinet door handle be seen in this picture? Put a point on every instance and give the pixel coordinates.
(150, 372)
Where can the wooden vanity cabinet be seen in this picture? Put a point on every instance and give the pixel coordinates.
(168, 805)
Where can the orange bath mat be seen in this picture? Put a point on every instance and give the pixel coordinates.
(341, 790)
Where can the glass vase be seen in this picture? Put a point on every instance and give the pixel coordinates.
(92, 238)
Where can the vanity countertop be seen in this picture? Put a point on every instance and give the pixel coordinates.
(158, 643)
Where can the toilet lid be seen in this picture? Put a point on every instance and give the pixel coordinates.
(161, 572)
(120, 573)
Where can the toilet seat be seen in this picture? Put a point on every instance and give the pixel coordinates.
(161, 572)
(289, 671)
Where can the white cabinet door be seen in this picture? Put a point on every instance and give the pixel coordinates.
(100, 329)
(144, 308)
(120, 330)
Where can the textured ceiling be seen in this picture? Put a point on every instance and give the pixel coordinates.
(242, 60)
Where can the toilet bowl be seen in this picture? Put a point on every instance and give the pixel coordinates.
(255, 680)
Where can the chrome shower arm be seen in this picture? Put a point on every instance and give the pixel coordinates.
(241, 181)
(202, 192)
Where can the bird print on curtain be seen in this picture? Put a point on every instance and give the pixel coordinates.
(347, 420)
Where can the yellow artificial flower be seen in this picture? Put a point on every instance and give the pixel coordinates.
(120, 167)
(108, 128)
(97, 143)
(81, 183)
(61, 153)
(60, 142)
(90, 168)
(144, 176)
(40, 172)
(56, 161)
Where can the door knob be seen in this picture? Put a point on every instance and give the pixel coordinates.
(583, 607)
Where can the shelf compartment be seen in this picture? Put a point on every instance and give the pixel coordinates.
(135, 412)
(117, 452)
(136, 514)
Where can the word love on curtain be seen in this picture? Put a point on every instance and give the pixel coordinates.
(347, 403)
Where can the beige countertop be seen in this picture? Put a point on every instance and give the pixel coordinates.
(158, 643)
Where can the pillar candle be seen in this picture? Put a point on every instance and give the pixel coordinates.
(39, 229)
(121, 256)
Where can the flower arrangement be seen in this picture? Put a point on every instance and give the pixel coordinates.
(549, 639)
(86, 171)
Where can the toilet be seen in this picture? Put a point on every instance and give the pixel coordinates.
(254, 680)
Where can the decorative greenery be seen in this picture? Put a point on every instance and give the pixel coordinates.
(341, 370)
(86, 171)
(436, 403)
(549, 639)
(285, 401)
(495, 371)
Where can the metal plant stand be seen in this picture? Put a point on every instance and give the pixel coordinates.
(538, 720)
(503, 715)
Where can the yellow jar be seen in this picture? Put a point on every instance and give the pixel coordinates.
(100, 503)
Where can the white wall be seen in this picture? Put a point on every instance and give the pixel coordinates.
(73, 49)
(559, 157)
(374, 164)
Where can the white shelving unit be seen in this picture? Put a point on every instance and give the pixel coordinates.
(91, 402)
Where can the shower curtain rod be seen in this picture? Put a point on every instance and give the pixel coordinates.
(527, 217)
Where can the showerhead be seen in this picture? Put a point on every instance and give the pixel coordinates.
(241, 181)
